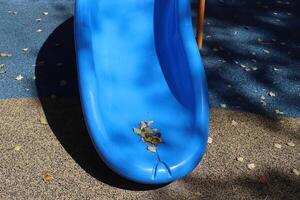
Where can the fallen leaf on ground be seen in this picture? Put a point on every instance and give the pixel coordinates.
(38, 19)
(278, 112)
(223, 105)
(271, 94)
(45, 13)
(209, 140)
(266, 51)
(263, 180)
(234, 123)
(263, 103)
(278, 146)
(25, 49)
(254, 68)
(262, 97)
(152, 149)
(291, 144)
(243, 66)
(47, 178)
(198, 194)
(240, 159)
(43, 120)
(5, 55)
(296, 172)
(17, 147)
(39, 30)
(251, 166)
(19, 77)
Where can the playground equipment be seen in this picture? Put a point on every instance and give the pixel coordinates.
(138, 61)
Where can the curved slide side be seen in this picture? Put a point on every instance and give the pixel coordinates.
(138, 61)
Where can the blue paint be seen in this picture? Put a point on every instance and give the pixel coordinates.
(138, 61)
(225, 27)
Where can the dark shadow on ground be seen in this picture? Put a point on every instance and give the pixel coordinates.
(56, 82)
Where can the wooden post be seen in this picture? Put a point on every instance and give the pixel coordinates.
(200, 26)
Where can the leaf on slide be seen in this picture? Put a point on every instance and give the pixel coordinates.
(151, 149)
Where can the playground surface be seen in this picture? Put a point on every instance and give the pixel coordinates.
(251, 54)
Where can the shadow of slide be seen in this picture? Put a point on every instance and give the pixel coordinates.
(56, 81)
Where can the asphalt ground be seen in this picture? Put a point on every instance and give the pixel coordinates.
(63, 150)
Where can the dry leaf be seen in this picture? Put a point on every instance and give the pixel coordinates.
(254, 68)
(19, 77)
(243, 66)
(47, 178)
(234, 123)
(262, 97)
(266, 51)
(209, 140)
(143, 125)
(291, 144)
(152, 149)
(149, 123)
(278, 146)
(271, 94)
(5, 55)
(296, 172)
(25, 49)
(39, 30)
(17, 147)
(278, 112)
(223, 105)
(137, 130)
(241, 159)
(263, 180)
(45, 13)
(251, 166)
(43, 120)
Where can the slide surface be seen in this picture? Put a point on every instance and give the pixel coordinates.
(138, 61)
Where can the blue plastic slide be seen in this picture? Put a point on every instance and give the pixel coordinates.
(138, 61)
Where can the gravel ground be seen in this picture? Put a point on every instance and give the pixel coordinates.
(63, 150)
